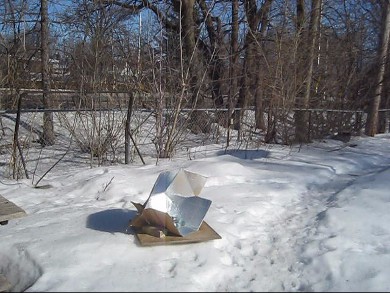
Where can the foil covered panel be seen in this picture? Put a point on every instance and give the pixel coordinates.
(174, 203)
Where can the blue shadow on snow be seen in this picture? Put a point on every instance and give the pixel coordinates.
(114, 220)
(246, 154)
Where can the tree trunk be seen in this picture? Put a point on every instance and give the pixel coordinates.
(16, 145)
(372, 118)
(249, 74)
(234, 53)
(233, 67)
(299, 115)
(259, 108)
(48, 130)
(303, 98)
(244, 93)
(216, 60)
(260, 52)
(197, 121)
(190, 53)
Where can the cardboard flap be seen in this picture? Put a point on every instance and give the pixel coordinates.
(138, 206)
(160, 219)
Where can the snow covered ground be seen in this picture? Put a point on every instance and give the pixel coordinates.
(309, 218)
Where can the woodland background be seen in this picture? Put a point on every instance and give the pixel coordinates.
(264, 72)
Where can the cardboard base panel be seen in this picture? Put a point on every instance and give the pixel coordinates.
(9, 211)
(204, 233)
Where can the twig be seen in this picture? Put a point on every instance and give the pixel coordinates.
(67, 150)
(53, 166)
(106, 186)
(22, 159)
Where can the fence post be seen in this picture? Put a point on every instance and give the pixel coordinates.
(229, 123)
(127, 128)
(128, 134)
(309, 130)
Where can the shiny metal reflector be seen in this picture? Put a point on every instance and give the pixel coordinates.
(174, 204)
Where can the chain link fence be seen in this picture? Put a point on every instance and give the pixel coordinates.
(93, 130)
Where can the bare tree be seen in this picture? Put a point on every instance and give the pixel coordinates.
(214, 53)
(234, 54)
(255, 16)
(48, 137)
(372, 119)
(303, 98)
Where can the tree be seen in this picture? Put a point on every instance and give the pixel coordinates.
(233, 54)
(48, 137)
(304, 95)
(255, 16)
(214, 53)
(372, 118)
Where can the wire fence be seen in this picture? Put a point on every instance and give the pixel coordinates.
(95, 130)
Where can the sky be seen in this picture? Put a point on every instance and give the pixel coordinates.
(291, 218)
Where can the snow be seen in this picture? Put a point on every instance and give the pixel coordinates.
(303, 218)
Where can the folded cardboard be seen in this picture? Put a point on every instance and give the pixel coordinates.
(205, 233)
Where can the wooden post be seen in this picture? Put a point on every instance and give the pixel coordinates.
(309, 128)
(127, 128)
(128, 133)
